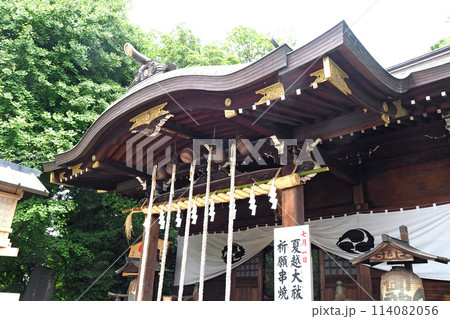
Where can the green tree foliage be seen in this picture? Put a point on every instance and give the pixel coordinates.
(439, 44)
(62, 64)
(247, 44)
(182, 47)
(442, 42)
(77, 237)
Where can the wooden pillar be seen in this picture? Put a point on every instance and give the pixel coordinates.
(149, 272)
(365, 280)
(293, 204)
(322, 275)
(363, 272)
(405, 237)
(358, 194)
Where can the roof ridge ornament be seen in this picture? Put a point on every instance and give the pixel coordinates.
(149, 66)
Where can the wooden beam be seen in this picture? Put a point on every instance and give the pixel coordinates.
(365, 100)
(121, 169)
(180, 131)
(334, 107)
(149, 271)
(266, 130)
(303, 109)
(431, 155)
(435, 128)
(274, 113)
(340, 169)
(293, 206)
(338, 126)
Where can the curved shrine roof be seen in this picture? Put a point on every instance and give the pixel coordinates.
(320, 90)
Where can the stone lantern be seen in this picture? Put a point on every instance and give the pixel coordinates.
(14, 181)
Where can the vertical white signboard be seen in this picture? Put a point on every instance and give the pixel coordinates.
(292, 264)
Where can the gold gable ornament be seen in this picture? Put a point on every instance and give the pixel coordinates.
(149, 116)
(333, 73)
(400, 110)
(76, 169)
(385, 116)
(272, 92)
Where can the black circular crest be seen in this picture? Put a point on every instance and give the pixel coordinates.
(356, 241)
(238, 252)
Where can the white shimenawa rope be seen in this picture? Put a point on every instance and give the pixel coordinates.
(143, 268)
(205, 226)
(186, 233)
(230, 223)
(166, 234)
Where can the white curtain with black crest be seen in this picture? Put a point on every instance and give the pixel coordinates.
(347, 236)
(353, 235)
(246, 244)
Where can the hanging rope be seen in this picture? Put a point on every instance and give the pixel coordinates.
(144, 256)
(186, 233)
(166, 234)
(205, 226)
(231, 215)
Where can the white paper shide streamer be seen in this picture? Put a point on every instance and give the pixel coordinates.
(194, 215)
(233, 209)
(161, 218)
(212, 210)
(273, 195)
(178, 218)
(252, 201)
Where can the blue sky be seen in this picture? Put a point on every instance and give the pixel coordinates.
(393, 31)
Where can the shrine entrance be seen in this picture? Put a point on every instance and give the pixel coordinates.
(247, 280)
(253, 280)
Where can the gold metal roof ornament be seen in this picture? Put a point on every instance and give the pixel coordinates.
(272, 92)
(147, 117)
(333, 73)
(385, 116)
(400, 110)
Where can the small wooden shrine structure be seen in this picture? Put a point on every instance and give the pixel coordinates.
(397, 251)
(400, 283)
(369, 139)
